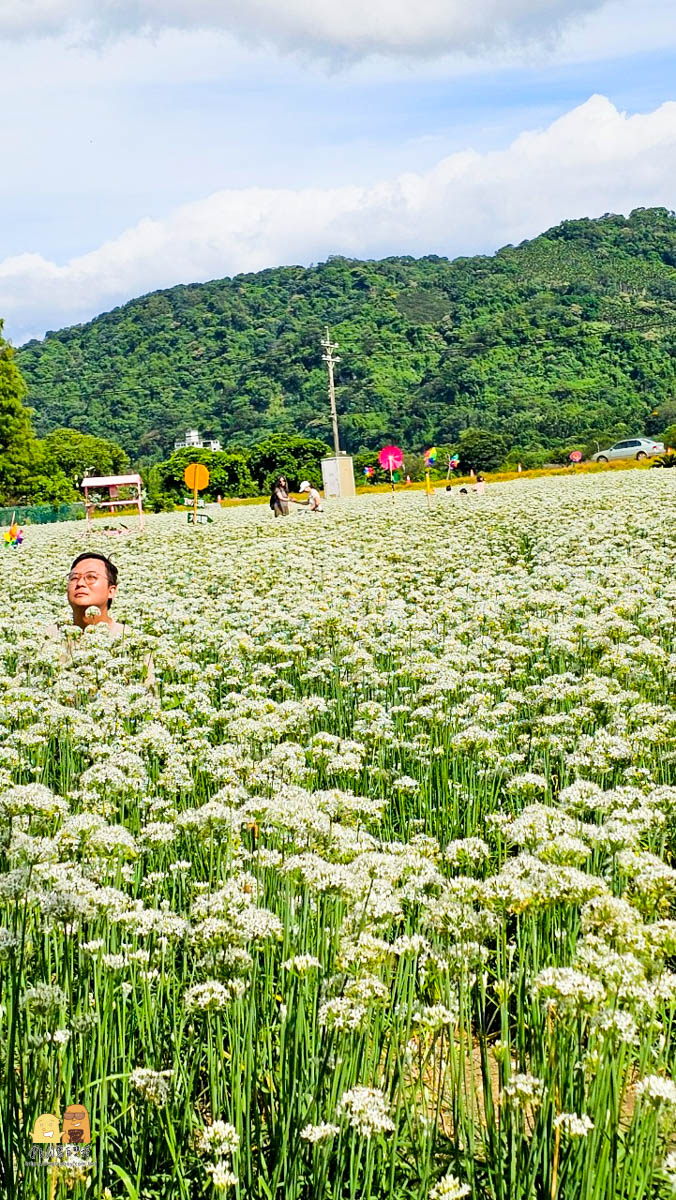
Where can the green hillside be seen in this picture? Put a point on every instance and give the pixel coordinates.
(561, 339)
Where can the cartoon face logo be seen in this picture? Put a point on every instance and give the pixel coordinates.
(47, 1129)
(76, 1125)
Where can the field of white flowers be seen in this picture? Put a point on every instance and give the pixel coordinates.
(372, 894)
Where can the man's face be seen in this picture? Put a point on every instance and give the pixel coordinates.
(88, 585)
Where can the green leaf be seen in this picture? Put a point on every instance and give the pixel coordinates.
(132, 1191)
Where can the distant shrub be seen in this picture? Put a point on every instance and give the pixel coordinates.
(479, 450)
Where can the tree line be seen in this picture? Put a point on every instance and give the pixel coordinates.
(51, 469)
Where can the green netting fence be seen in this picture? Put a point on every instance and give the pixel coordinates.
(42, 514)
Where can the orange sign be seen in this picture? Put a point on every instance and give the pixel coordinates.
(196, 476)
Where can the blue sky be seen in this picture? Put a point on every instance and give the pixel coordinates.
(175, 141)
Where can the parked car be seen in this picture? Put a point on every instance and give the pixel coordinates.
(631, 448)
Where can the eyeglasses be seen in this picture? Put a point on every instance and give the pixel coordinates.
(89, 577)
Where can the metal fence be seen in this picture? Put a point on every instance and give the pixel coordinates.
(42, 514)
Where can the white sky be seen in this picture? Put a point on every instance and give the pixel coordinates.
(154, 142)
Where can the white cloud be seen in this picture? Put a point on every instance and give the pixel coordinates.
(350, 29)
(618, 29)
(593, 160)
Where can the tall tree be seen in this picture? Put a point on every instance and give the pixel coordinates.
(78, 454)
(24, 472)
(18, 447)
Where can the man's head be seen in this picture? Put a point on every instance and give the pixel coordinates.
(92, 581)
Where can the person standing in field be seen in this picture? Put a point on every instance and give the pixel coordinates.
(313, 502)
(91, 588)
(279, 498)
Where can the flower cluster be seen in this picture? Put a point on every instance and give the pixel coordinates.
(218, 1143)
(154, 1086)
(366, 1110)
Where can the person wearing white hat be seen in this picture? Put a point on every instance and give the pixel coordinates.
(313, 502)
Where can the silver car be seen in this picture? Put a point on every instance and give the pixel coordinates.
(631, 448)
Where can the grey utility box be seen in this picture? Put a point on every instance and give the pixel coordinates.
(338, 477)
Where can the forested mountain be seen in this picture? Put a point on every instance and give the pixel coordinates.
(560, 339)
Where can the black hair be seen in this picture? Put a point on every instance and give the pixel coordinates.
(111, 569)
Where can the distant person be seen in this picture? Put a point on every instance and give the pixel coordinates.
(463, 491)
(279, 498)
(314, 500)
(91, 589)
(480, 485)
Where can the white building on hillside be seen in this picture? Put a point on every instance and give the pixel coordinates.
(192, 440)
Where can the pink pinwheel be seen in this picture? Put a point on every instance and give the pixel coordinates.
(390, 458)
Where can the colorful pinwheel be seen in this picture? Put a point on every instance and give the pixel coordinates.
(14, 535)
(390, 458)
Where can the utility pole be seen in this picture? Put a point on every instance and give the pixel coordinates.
(330, 359)
(337, 472)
